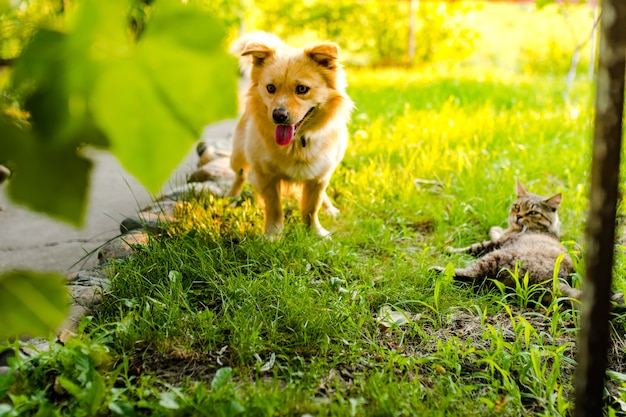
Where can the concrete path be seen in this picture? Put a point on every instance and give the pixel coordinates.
(38, 242)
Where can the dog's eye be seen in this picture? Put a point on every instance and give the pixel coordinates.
(271, 88)
(302, 89)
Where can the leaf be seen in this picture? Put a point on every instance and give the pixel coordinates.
(388, 318)
(148, 102)
(175, 276)
(31, 303)
(154, 103)
(221, 378)
(235, 407)
(269, 364)
(50, 177)
(5, 6)
(616, 376)
(69, 386)
(58, 186)
(121, 408)
(95, 394)
(42, 67)
(180, 48)
(168, 400)
(144, 134)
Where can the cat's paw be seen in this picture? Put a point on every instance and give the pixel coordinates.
(438, 269)
(450, 249)
(570, 292)
(496, 232)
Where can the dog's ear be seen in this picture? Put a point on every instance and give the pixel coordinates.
(325, 54)
(258, 51)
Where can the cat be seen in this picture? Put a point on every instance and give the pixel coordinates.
(530, 243)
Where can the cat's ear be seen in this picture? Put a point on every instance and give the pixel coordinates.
(554, 202)
(521, 191)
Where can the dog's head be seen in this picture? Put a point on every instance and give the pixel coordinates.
(296, 86)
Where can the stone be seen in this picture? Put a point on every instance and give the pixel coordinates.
(217, 170)
(94, 277)
(4, 173)
(122, 247)
(85, 295)
(152, 218)
(211, 149)
(71, 322)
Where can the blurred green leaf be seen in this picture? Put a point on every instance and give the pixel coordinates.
(5, 6)
(54, 181)
(145, 134)
(49, 179)
(31, 303)
(193, 72)
(221, 378)
(153, 105)
(41, 70)
(93, 85)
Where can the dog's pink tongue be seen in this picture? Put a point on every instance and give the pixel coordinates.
(284, 134)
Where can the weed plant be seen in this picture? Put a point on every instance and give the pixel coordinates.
(213, 319)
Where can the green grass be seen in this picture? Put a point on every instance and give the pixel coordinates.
(211, 318)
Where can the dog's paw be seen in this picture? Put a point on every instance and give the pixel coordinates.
(332, 211)
(321, 232)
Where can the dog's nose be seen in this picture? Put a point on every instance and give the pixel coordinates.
(280, 115)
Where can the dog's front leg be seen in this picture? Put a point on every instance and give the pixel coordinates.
(312, 198)
(274, 216)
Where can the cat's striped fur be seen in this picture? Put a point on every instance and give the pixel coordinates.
(530, 243)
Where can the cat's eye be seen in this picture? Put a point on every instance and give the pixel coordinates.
(302, 89)
(533, 213)
(516, 207)
(271, 88)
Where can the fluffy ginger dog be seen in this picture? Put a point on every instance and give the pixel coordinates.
(293, 131)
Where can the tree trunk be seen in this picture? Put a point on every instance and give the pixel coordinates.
(594, 331)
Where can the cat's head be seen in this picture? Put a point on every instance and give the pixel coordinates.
(533, 212)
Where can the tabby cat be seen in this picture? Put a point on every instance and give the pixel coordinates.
(531, 241)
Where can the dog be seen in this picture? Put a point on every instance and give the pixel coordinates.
(293, 131)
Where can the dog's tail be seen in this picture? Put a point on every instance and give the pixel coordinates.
(238, 46)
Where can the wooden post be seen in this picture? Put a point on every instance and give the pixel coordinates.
(594, 331)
